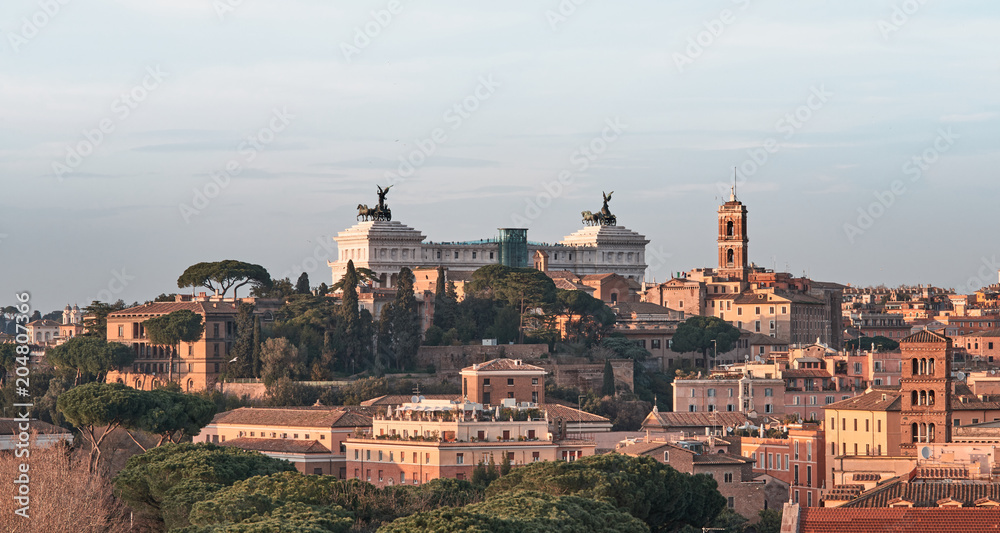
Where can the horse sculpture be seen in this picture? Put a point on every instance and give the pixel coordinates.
(591, 219)
(364, 213)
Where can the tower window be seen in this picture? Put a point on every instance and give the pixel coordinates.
(729, 228)
(729, 257)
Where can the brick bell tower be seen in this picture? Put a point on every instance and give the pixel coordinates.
(925, 389)
(733, 238)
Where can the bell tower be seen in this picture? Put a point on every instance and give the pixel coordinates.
(733, 238)
(925, 388)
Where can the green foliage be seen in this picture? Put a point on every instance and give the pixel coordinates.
(770, 521)
(648, 490)
(173, 328)
(264, 498)
(157, 483)
(223, 275)
(624, 411)
(302, 284)
(101, 404)
(405, 321)
(243, 347)
(174, 415)
(527, 512)
(95, 322)
(485, 473)
(280, 359)
(433, 336)
(608, 387)
(279, 289)
(588, 318)
(445, 302)
(697, 333)
(90, 357)
(882, 344)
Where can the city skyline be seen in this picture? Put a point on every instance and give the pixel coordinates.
(286, 117)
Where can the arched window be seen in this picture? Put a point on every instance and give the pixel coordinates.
(923, 432)
(930, 433)
(729, 228)
(930, 397)
(923, 366)
(923, 397)
(729, 257)
(914, 433)
(930, 367)
(190, 385)
(914, 399)
(916, 368)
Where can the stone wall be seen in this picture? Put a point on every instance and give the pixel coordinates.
(448, 361)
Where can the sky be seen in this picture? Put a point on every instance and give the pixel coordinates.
(138, 137)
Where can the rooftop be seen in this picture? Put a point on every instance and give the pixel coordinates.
(277, 445)
(897, 520)
(313, 417)
(503, 364)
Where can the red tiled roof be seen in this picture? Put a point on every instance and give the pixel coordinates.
(43, 323)
(504, 364)
(898, 520)
(569, 414)
(162, 308)
(317, 417)
(927, 494)
(277, 445)
(805, 373)
(876, 400)
(689, 420)
(924, 336)
(720, 459)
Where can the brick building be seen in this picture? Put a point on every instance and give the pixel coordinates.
(798, 460)
(744, 492)
(491, 382)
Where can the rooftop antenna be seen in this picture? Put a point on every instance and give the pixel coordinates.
(734, 184)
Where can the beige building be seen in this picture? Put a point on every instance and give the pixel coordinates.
(429, 439)
(194, 365)
(311, 438)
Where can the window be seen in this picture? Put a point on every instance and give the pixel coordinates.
(534, 381)
(729, 502)
(655, 343)
(666, 457)
(121, 332)
(796, 450)
(730, 393)
(510, 382)
(866, 425)
(730, 407)
(692, 408)
(786, 462)
(460, 459)
(380, 455)
(770, 461)
(878, 426)
(711, 393)
(768, 392)
(768, 408)
(402, 477)
(510, 394)
(809, 451)
(486, 382)
(727, 477)
(829, 400)
(857, 368)
(855, 424)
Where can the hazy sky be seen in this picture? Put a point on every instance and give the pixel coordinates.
(310, 104)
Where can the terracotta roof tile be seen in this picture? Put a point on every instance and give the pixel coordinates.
(668, 420)
(924, 336)
(927, 494)
(805, 373)
(319, 417)
(277, 445)
(897, 520)
(162, 308)
(876, 400)
(570, 414)
(504, 364)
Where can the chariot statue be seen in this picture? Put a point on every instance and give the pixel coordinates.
(604, 217)
(380, 211)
